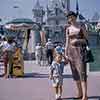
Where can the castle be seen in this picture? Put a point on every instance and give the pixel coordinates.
(55, 19)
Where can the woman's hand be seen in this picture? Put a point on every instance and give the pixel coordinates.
(74, 41)
(66, 59)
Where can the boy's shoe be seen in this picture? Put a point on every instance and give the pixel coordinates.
(56, 96)
(59, 96)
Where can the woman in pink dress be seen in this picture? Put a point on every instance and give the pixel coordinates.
(75, 44)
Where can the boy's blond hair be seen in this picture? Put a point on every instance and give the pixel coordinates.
(57, 55)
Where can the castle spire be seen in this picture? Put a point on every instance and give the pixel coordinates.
(66, 4)
(38, 12)
(37, 5)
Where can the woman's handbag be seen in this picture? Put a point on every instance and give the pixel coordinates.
(87, 53)
(88, 56)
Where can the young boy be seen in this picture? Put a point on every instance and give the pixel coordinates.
(56, 74)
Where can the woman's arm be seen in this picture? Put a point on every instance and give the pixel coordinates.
(66, 60)
(67, 43)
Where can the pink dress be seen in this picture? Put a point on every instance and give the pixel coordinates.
(74, 52)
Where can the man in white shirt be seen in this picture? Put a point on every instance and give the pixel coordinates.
(50, 48)
(38, 53)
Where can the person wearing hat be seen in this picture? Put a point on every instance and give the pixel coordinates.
(75, 40)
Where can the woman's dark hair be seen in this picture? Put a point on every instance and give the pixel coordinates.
(70, 13)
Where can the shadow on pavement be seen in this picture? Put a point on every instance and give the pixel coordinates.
(67, 76)
(89, 98)
(38, 75)
(28, 75)
(35, 75)
(94, 97)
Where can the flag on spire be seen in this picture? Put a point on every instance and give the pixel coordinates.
(77, 7)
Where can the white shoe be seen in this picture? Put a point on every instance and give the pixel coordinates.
(56, 96)
(59, 96)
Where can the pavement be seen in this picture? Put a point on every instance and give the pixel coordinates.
(35, 85)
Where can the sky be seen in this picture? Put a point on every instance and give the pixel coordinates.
(24, 10)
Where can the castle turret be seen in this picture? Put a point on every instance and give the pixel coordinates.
(38, 13)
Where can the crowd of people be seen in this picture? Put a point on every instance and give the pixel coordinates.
(8, 51)
(46, 53)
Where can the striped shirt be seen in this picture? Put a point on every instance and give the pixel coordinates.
(57, 69)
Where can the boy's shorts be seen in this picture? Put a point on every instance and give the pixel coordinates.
(57, 81)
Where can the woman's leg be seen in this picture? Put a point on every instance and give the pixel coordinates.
(84, 90)
(79, 89)
(6, 70)
(84, 81)
(5, 65)
(76, 77)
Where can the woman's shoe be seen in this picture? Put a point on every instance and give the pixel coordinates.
(78, 97)
(84, 98)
